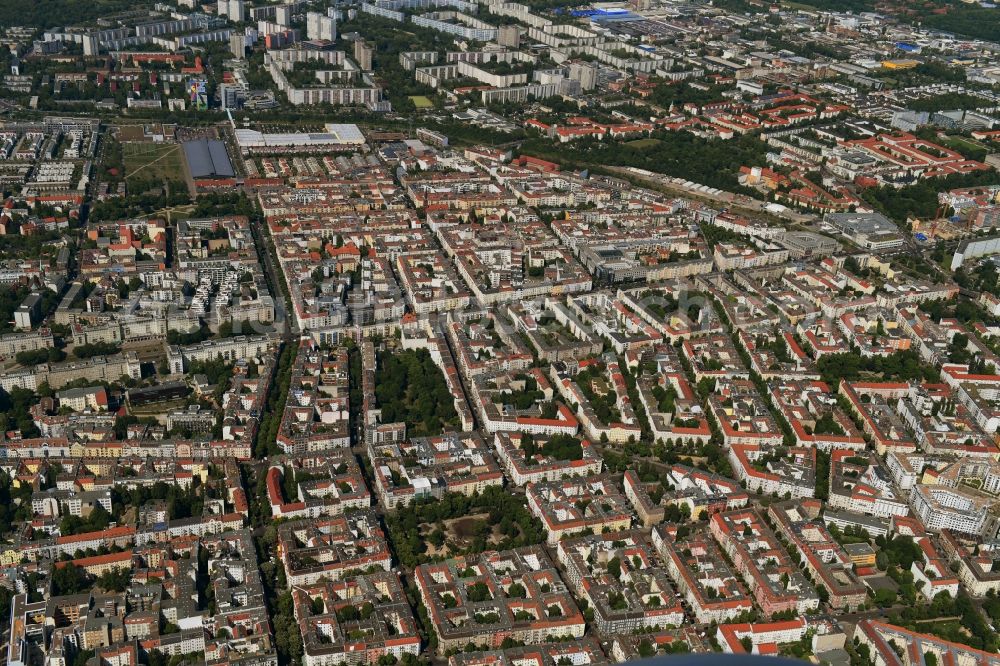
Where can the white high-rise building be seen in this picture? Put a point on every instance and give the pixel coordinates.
(237, 11)
(363, 55)
(585, 73)
(91, 45)
(319, 26)
(238, 45)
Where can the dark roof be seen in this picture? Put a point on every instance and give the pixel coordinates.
(207, 158)
(164, 391)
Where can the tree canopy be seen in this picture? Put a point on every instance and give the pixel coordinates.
(409, 387)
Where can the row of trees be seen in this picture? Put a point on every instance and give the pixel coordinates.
(36, 356)
(96, 349)
(267, 432)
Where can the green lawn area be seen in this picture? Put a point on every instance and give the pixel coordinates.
(153, 161)
(798, 5)
(422, 102)
(643, 143)
(959, 143)
(967, 147)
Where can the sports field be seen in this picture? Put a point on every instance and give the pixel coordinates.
(421, 102)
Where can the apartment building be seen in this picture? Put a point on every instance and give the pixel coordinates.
(485, 599)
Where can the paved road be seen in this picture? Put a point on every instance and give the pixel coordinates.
(265, 246)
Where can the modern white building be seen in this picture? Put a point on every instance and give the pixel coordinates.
(320, 26)
(949, 508)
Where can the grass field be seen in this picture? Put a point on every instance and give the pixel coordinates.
(421, 102)
(153, 161)
(798, 5)
(960, 143)
(643, 143)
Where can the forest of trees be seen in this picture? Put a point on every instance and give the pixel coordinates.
(11, 299)
(712, 162)
(920, 199)
(409, 387)
(558, 447)
(49, 13)
(142, 203)
(901, 366)
(14, 411)
(947, 102)
(509, 512)
(965, 19)
(180, 502)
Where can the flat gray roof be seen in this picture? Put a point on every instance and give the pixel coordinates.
(207, 158)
